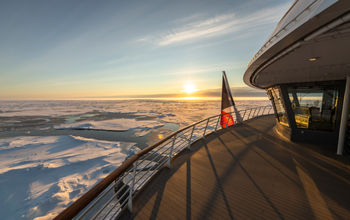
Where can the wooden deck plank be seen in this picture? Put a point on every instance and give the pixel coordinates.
(248, 172)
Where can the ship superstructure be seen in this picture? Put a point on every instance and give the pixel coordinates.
(304, 66)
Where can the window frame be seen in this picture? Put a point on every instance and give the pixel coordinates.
(325, 84)
(283, 104)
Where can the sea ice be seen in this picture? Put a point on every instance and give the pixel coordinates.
(40, 176)
(122, 124)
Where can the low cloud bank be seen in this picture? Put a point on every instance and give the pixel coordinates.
(236, 92)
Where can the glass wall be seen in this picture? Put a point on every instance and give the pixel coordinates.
(276, 99)
(314, 107)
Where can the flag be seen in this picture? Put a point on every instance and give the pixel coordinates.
(227, 105)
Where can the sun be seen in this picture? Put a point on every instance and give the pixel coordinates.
(189, 88)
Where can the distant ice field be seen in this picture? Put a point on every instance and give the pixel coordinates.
(51, 152)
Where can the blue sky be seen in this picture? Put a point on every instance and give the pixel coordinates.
(78, 49)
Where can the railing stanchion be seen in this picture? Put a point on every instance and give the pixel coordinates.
(263, 110)
(205, 129)
(171, 150)
(243, 115)
(254, 113)
(131, 190)
(189, 140)
(217, 123)
(249, 114)
(258, 111)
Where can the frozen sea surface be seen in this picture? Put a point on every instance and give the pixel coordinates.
(51, 152)
(39, 176)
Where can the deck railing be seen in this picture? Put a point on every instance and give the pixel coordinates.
(114, 193)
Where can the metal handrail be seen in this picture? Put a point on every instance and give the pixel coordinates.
(116, 191)
(274, 37)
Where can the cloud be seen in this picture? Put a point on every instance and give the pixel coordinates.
(204, 69)
(236, 92)
(217, 26)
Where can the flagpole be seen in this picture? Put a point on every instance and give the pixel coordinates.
(238, 115)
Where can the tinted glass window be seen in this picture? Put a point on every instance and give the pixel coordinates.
(314, 107)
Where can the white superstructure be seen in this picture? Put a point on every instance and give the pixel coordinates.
(310, 43)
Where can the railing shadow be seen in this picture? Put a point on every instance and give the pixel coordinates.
(219, 183)
(239, 135)
(267, 199)
(278, 155)
(164, 175)
(188, 190)
(161, 179)
(283, 156)
(156, 206)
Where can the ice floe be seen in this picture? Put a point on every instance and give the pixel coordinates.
(39, 176)
(121, 124)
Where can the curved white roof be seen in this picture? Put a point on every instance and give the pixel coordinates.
(303, 18)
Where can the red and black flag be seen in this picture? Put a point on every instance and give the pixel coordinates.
(228, 108)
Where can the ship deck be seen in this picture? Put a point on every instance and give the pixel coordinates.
(248, 172)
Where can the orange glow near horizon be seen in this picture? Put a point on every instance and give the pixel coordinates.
(219, 98)
(191, 98)
(185, 98)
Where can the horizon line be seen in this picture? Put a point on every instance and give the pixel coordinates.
(184, 98)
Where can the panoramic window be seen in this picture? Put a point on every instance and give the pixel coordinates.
(276, 99)
(314, 107)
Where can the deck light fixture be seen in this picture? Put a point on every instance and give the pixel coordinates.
(312, 59)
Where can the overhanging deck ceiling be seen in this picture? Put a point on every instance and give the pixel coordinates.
(331, 51)
(321, 30)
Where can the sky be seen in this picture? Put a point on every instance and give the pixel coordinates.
(98, 49)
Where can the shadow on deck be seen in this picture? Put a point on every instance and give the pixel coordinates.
(248, 172)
